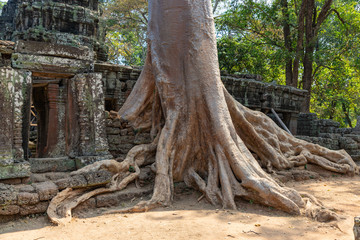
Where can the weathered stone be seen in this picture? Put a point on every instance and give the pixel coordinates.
(124, 132)
(116, 123)
(86, 160)
(14, 86)
(11, 181)
(100, 177)
(46, 190)
(6, 47)
(88, 204)
(15, 170)
(78, 181)
(42, 165)
(25, 198)
(41, 207)
(56, 50)
(9, 210)
(8, 197)
(37, 63)
(62, 183)
(26, 188)
(142, 138)
(114, 199)
(112, 131)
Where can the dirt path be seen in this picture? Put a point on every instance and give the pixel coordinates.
(188, 219)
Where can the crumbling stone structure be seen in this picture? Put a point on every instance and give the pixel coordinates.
(328, 133)
(51, 65)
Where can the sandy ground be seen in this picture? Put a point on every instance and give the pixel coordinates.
(189, 219)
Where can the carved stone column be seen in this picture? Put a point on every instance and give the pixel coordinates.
(14, 87)
(93, 143)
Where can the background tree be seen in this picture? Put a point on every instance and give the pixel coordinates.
(294, 36)
(126, 23)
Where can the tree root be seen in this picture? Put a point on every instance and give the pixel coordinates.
(204, 137)
(59, 210)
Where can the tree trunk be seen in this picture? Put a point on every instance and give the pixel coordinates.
(287, 38)
(203, 136)
(299, 43)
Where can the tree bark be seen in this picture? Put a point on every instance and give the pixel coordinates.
(287, 38)
(203, 136)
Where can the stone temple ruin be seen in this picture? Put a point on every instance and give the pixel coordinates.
(58, 96)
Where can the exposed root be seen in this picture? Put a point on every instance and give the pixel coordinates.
(59, 210)
(205, 137)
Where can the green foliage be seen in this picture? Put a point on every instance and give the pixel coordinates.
(336, 90)
(2, 4)
(126, 22)
(244, 55)
(251, 39)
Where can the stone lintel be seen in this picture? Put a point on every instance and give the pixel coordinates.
(6, 47)
(86, 160)
(49, 64)
(56, 50)
(61, 164)
(15, 170)
(100, 67)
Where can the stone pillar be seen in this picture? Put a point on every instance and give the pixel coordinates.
(55, 133)
(14, 85)
(291, 120)
(357, 127)
(93, 143)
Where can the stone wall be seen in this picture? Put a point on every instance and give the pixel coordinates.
(122, 137)
(328, 133)
(34, 197)
(246, 88)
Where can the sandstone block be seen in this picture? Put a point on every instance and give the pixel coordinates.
(101, 177)
(62, 183)
(25, 198)
(46, 190)
(77, 181)
(9, 209)
(41, 207)
(112, 131)
(8, 197)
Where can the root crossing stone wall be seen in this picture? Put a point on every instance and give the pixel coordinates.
(121, 136)
(328, 133)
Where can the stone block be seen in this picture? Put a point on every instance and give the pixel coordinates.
(114, 199)
(116, 123)
(9, 210)
(46, 190)
(26, 188)
(107, 200)
(112, 131)
(8, 196)
(57, 50)
(25, 198)
(16, 170)
(100, 177)
(62, 183)
(114, 139)
(41, 207)
(77, 181)
(49, 64)
(43, 165)
(142, 138)
(88, 204)
(124, 132)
